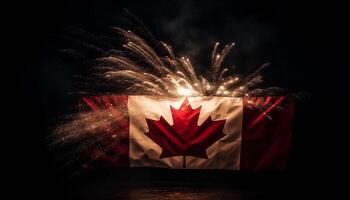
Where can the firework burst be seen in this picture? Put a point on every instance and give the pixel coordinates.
(140, 64)
(139, 69)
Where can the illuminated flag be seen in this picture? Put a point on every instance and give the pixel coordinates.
(250, 133)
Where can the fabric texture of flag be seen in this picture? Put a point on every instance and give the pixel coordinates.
(250, 133)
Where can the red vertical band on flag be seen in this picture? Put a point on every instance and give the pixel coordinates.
(118, 154)
(266, 132)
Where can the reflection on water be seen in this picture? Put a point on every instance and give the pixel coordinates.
(160, 184)
(176, 193)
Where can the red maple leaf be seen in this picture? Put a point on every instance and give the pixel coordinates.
(185, 137)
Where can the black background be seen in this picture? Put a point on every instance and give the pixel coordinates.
(302, 40)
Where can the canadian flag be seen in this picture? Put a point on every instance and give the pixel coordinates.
(250, 133)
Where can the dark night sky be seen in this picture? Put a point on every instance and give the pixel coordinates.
(301, 40)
